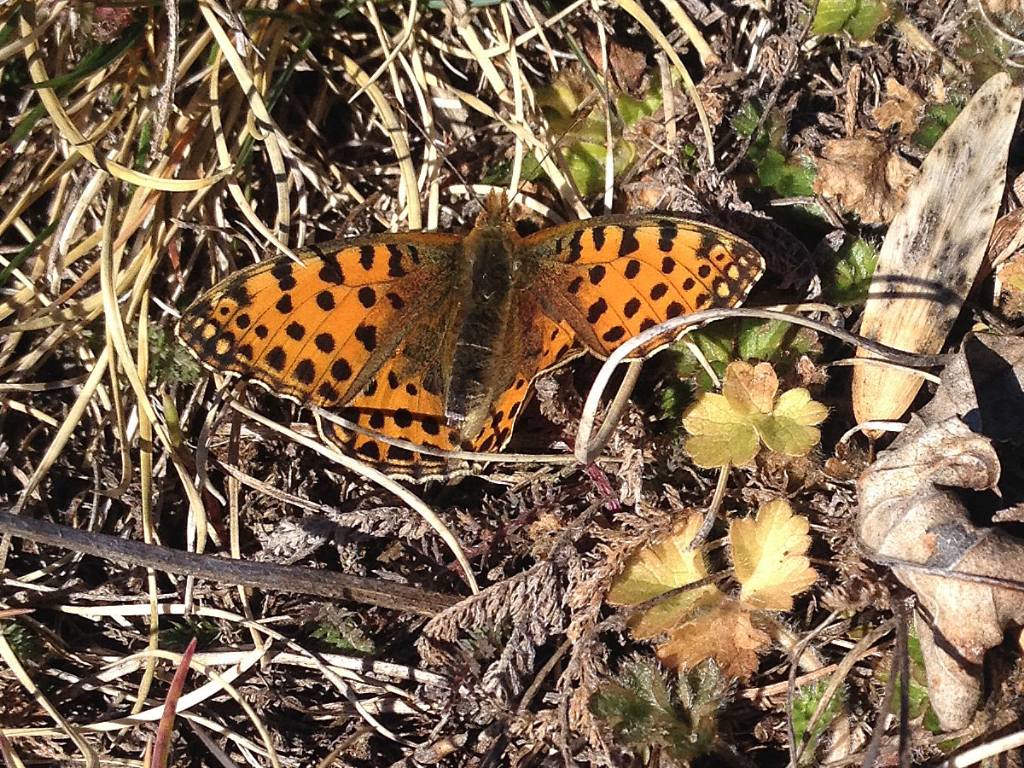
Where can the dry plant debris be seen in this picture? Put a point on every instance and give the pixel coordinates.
(933, 251)
(147, 150)
(865, 177)
(911, 515)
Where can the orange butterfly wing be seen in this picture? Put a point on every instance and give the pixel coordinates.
(404, 400)
(318, 330)
(611, 278)
(366, 325)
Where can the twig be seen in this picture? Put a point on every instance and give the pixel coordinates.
(280, 578)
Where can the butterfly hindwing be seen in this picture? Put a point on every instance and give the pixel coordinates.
(612, 278)
(405, 398)
(542, 343)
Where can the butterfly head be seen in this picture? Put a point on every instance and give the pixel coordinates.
(495, 212)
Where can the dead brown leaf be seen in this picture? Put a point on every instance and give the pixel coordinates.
(901, 108)
(1006, 255)
(864, 177)
(627, 65)
(910, 515)
(725, 633)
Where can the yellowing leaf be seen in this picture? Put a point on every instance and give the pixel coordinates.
(723, 633)
(727, 428)
(658, 569)
(792, 427)
(769, 555)
(719, 435)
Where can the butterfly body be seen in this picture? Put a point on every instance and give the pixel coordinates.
(486, 292)
(435, 339)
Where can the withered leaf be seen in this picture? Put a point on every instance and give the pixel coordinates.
(864, 177)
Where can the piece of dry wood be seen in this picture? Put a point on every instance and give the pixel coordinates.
(222, 570)
(935, 245)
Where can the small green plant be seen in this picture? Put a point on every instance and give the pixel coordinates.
(646, 716)
(983, 50)
(806, 702)
(858, 18)
(179, 632)
(785, 175)
(937, 118)
(850, 277)
(343, 634)
(24, 642)
(772, 341)
(169, 360)
(729, 428)
(573, 108)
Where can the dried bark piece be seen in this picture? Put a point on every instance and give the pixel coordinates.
(934, 248)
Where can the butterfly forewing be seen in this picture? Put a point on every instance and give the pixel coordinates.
(612, 278)
(318, 330)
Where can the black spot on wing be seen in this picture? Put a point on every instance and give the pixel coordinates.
(330, 270)
(367, 335)
(367, 296)
(238, 294)
(395, 266)
(324, 342)
(305, 372)
(575, 247)
(629, 243)
(276, 358)
(325, 300)
(667, 234)
(282, 272)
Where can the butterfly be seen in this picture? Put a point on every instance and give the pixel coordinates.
(435, 339)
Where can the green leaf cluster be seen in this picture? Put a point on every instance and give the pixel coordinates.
(804, 704)
(344, 635)
(859, 18)
(772, 341)
(574, 113)
(984, 51)
(729, 428)
(25, 643)
(785, 175)
(644, 715)
(179, 632)
(936, 119)
(169, 361)
(849, 279)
